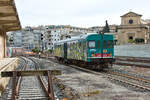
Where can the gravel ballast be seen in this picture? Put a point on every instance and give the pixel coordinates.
(87, 86)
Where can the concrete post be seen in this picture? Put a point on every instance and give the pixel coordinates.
(2, 44)
(5, 44)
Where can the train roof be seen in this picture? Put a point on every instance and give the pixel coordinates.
(80, 37)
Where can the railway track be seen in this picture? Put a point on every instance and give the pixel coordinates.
(7, 95)
(132, 61)
(126, 60)
(44, 82)
(30, 87)
(124, 78)
(132, 79)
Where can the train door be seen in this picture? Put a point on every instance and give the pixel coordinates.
(65, 51)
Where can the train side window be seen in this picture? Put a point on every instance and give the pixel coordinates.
(84, 44)
(98, 44)
(110, 44)
(104, 44)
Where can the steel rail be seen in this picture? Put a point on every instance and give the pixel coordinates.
(15, 89)
(112, 77)
(49, 91)
(109, 75)
(129, 76)
(128, 64)
(133, 59)
(130, 83)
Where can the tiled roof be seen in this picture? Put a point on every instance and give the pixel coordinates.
(131, 13)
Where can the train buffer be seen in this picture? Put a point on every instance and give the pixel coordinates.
(49, 73)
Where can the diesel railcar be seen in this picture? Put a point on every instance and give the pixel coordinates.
(91, 50)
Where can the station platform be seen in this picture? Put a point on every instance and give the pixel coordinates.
(5, 61)
(6, 64)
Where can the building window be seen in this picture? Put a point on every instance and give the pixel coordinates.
(130, 38)
(131, 21)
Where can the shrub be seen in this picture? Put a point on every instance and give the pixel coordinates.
(131, 41)
(139, 40)
(35, 50)
(50, 50)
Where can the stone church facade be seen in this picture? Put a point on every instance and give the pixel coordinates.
(132, 28)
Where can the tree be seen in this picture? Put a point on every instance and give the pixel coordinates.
(106, 28)
(35, 50)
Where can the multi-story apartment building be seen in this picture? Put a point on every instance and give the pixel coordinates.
(51, 37)
(10, 39)
(55, 33)
(31, 37)
(15, 39)
(38, 37)
(28, 38)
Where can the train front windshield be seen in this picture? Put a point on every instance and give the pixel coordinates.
(92, 44)
(101, 44)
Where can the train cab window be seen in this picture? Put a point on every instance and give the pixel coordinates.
(104, 44)
(110, 44)
(91, 44)
(98, 43)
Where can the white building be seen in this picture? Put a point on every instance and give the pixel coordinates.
(28, 38)
(51, 37)
(15, 39)
(55, 33)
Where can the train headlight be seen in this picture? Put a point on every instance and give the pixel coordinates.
(93, 55)
(104, 51)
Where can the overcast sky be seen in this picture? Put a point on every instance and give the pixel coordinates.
(80, 13)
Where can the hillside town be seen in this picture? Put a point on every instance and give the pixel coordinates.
(74, 50)
(133, 29)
